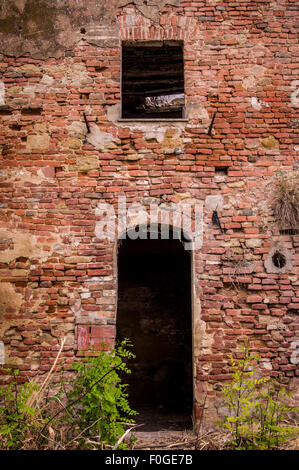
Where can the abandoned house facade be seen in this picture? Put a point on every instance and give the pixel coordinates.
(116, 117)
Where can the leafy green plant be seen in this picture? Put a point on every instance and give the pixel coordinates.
(271, 412)
(99, 401)
(19, 427)
(257, 408)
(89, 411)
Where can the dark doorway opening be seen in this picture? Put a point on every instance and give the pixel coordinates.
(154, 312)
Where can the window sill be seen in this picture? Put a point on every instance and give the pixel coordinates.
(152, 120)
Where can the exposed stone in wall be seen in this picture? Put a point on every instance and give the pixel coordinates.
(214, 203)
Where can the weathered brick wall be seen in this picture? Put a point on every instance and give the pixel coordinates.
(58, 278)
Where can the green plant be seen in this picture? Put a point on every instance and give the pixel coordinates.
(19, 426)
(271, 413)
(99, 401)
(257, 411)
(89, 411)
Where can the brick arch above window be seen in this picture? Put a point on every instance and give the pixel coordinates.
(133, 26)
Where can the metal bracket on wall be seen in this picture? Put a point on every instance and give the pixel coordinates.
(216, 221)
(86, 122)
(211, 125)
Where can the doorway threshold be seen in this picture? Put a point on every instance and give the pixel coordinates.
(154, 418)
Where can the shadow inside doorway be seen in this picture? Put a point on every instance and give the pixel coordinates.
(154, 312)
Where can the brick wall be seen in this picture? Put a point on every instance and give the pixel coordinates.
(58, 278)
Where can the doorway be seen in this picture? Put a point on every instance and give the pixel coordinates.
(154, 312)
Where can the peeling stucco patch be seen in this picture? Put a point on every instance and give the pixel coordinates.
(113, 113)
(258, 104)
(214, 203)
(99, 139)
(197, 111)
(23, 245)
(9, 299)
(48, 28)
(30, 26)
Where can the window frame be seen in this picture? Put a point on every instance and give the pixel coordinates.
(145, 43)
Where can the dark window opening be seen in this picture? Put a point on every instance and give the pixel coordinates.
(154, 312)
(153, 80)
(279, 260)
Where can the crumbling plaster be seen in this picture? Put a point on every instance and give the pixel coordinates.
(49, 28)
